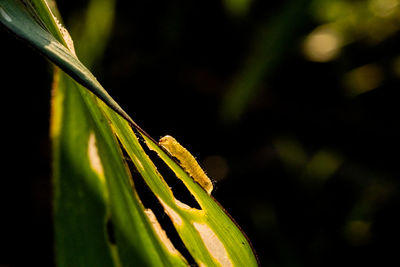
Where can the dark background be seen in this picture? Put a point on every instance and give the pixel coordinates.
(305, 155)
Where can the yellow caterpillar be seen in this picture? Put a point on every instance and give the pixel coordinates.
(187, 161)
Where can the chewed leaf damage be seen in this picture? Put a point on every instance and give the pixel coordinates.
(160, 232)
(94, 158)
(213, 244)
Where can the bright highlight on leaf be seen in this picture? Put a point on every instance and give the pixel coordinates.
(5, 15)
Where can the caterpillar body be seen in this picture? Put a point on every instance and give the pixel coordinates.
(187, 161)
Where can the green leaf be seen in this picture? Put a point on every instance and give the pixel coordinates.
(94, 189)
(100, 219)
(81, 196)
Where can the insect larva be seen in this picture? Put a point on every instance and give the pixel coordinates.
(187, 161)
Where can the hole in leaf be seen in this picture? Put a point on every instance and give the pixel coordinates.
(150, 201)
(110, 231)
(178, 188)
